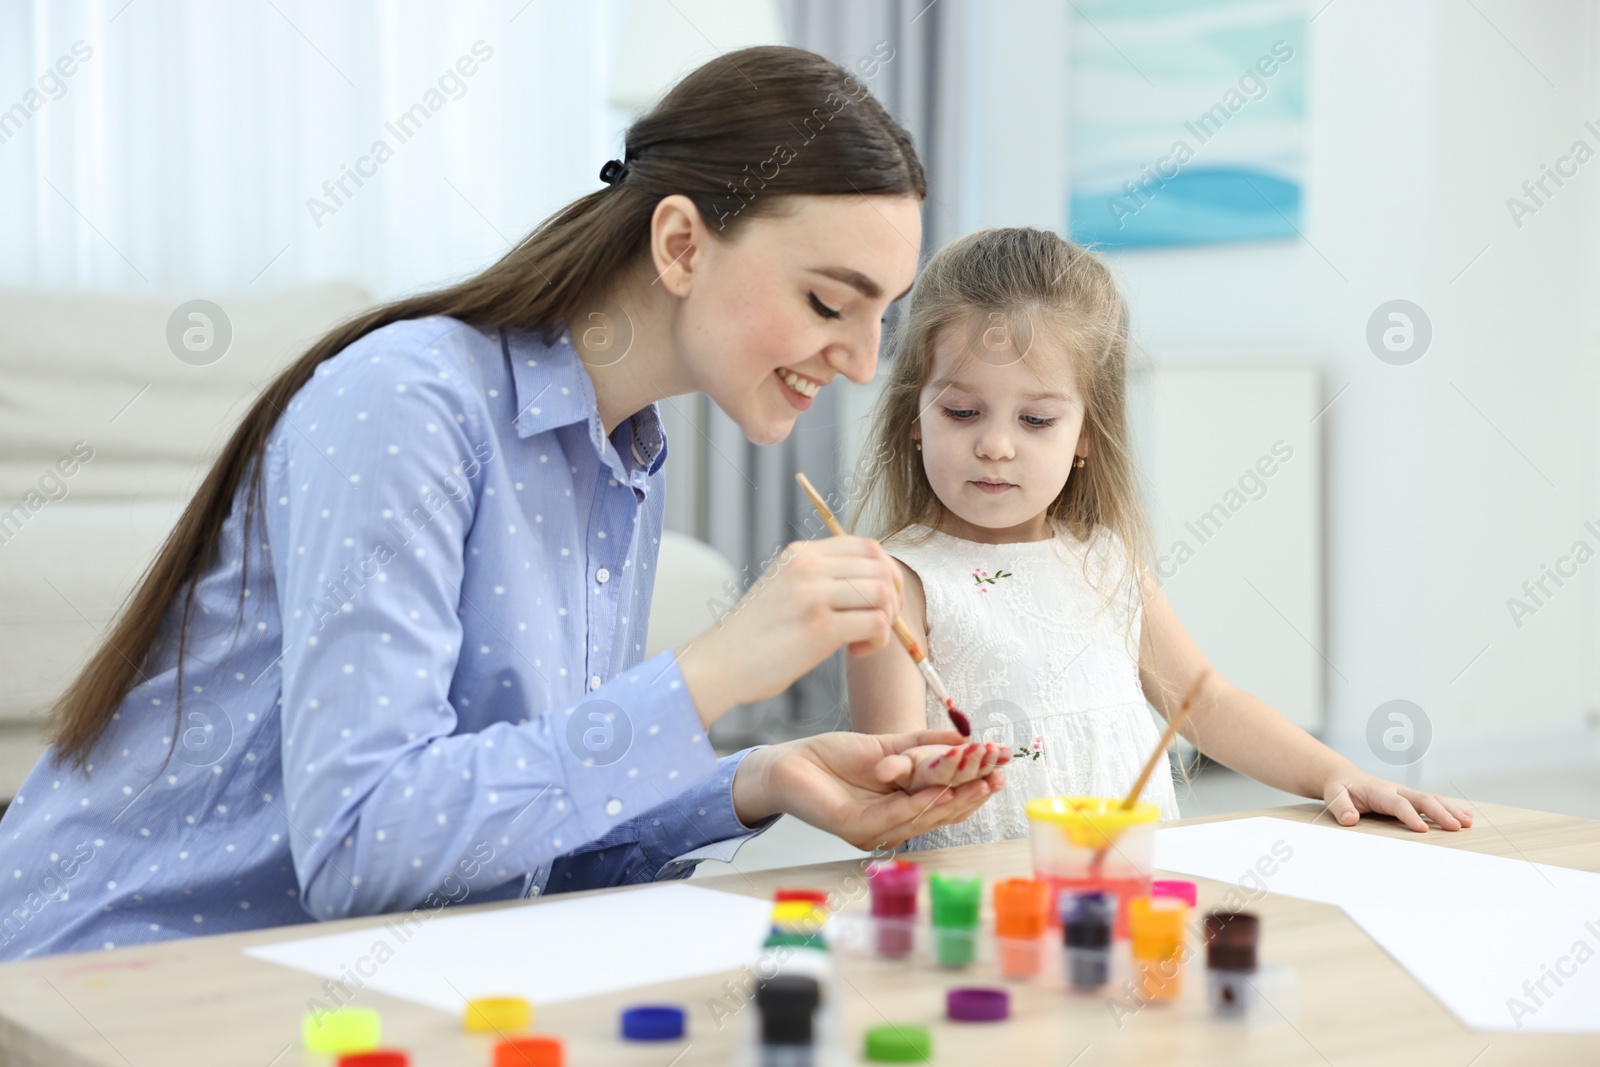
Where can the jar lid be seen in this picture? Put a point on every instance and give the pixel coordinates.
(652, 1022)
(956, 898)
(386, 1057)
(788, 1004)
(1087, 919)
(798, 913)
(794, 940)
(1156, 924)
(898, 1043)
(1231, 939)
(498, 1015)
(1090, 822)
(898, 876)
(341, 1030)
(1180, 888)
(977, 1004)
(816, 896)
(541, 1050)
(1021, 908)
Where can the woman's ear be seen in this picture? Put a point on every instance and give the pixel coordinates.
(677, 233)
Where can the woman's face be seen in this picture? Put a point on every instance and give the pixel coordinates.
(794, 299)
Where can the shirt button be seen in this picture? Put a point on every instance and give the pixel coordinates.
(602, 576)
(613, 806)
(594, 682)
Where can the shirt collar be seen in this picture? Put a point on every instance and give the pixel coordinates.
(553, 390)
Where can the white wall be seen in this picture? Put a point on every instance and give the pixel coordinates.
(1424, 117)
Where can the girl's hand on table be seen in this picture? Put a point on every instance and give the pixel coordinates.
(839, 782)
(1348, 792)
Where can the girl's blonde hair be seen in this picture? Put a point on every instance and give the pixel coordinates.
(1022, 282)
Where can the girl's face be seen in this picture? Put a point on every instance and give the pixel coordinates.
(1001, 420)
(794, 299)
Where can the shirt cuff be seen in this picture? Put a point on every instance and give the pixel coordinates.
(633, 744)
(707, 826)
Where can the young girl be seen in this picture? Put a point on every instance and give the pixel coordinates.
(1002, 485)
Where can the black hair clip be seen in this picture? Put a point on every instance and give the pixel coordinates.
(613, 172)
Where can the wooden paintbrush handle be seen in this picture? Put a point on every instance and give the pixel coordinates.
(901, 630)
(817, 502)
(1166, 739)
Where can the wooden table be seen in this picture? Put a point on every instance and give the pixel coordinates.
(202, 1002)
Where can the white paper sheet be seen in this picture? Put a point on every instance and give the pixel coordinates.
(1504, 944)
(559, 950)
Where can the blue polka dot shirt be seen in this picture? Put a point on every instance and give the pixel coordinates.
(431, 692)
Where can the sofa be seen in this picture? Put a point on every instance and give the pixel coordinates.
(112, 406)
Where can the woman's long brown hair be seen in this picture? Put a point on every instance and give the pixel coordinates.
(735, 136)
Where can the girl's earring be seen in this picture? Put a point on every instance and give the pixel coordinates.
(1077, 462)
(919, 449)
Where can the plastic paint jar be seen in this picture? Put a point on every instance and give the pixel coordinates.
(1086, 922)
(798, 917)
(816, 896)
(788, 1006)
(1092, 843)
(1180, 888)
(1021, 920)
(893, 887)
(956, 900)
(1231, 940)
(1157, 927)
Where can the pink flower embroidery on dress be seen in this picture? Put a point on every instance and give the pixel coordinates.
(1030, 753)
(981, 577)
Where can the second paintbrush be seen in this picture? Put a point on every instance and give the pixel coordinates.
(918, 655)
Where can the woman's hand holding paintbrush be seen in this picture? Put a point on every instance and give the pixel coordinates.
(927, 765)
(815, 598)
(901, 631)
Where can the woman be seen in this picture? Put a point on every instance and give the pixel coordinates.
(391, 654)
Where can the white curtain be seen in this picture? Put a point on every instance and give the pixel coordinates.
(207, 146)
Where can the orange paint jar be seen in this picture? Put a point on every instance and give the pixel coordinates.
(1021, 922)
(1158, 947)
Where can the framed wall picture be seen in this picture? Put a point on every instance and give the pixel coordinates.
(1187, 121)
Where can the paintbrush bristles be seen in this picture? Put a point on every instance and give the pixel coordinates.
(1166, 739)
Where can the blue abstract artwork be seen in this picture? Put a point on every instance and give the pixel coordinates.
(1187, 121)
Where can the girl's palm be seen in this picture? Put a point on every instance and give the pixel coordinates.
(846, 784)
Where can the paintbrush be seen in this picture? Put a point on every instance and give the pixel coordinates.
(1166, 739)
(901, 630)
(1150, 765)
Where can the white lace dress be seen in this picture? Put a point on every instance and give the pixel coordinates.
(1031, 650)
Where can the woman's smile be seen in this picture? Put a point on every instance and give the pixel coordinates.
(797, 388)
